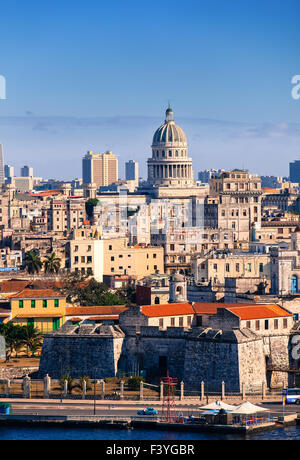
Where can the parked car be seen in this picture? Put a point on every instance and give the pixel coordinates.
(147, 411)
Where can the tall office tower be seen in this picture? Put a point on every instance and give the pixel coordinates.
(100, 169)
(9, 171)
(26, 171)
(132, 171)
(2, 177)
(295, 171)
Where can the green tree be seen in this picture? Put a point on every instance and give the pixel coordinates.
(90, 205)
(14, 338)
(33, 263)
(52, 264)
(32, 338)
(127, 295)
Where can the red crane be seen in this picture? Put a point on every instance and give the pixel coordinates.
(169, 408)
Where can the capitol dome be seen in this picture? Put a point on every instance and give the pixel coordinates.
(170, 165)
(169, 132)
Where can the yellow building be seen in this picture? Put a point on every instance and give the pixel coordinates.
(92, 255)
(45, 309)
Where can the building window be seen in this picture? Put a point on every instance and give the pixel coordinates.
(189, 321)
(172, 322)
(257, 325)
(181, 322)
(227, 268)
(266, 324)
(275, 323)
(56, 303)
(285, 323)
(248, 325)
(21, 303)
(44, 303)
(261, 268)
(161, 322)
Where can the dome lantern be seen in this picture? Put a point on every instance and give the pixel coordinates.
(169, 115)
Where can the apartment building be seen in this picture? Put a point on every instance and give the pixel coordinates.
(100, 169)
(239, 206)
(92, 254)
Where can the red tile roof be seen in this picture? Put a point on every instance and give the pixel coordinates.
(96, 310)
(210, 308)
(260, 312)
(36, 294)
(243, 311)
(45, 193)
(11, 286)
(175, 309)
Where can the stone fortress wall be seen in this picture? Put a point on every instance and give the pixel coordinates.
(236, 357)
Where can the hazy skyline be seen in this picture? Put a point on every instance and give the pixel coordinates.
(96, 76)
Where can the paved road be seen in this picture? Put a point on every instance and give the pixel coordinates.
(125, 409)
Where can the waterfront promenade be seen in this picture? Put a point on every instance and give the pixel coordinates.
(53, 407)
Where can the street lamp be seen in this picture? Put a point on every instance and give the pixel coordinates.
(95, 391)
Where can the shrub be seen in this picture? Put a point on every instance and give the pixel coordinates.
(134, 383)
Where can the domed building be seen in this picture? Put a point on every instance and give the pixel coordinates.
(170, 165)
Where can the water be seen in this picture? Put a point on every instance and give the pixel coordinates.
(61, 433)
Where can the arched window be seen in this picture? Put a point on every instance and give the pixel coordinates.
(170, 153)
(163, 154)
(177, 154)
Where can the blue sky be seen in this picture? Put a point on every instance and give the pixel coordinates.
(98, 75)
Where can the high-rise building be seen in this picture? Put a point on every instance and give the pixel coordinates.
(132, 171)
(9, 171)
(295, 171)
(26, 171)
(2, 177)
(100, 169)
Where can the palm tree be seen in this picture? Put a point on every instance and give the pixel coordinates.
(52, 264)
(14, 338)
(33, 263)
(32, 338)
